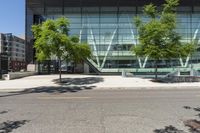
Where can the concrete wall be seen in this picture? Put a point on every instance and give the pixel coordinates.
(31, 68)
(17, 75)
(86, 69)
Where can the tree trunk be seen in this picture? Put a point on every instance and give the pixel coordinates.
(60, 78)
(48, 66)
(73, 68)
(156, 69)
(38, 67)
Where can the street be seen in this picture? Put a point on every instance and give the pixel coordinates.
(99, 111)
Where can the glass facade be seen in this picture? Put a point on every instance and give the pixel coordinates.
(110, 32)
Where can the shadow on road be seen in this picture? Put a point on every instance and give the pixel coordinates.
(192, 124)
(9, 126)
(61, 89)
(169, 129)
(3, 112)
(50, 89)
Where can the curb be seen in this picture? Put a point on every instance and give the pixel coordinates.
(7, 90)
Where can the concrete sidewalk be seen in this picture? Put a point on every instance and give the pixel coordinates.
(90, 81)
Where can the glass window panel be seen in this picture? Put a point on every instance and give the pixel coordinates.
(53, 11)
(108, 20)
(184, 9)
(74, 32)
(108, 9)
(53, 16)
(73, 15)
(106, 26)
(127, 9)
(75, 26)
(75, 20)
(197, 8)
(90, 9)
(72, 10)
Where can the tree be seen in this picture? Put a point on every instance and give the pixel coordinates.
(51, 40)
(79, 51)
(158, 37)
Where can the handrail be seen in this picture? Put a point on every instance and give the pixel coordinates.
(93, 66)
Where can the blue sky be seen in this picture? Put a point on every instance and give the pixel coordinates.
(12, 17)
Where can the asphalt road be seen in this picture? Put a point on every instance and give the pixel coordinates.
(99, 111)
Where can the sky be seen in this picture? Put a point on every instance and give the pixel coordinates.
(12, 17)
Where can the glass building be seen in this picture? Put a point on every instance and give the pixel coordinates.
(107, 26)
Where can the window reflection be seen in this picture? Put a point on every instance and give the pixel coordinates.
(111, 33)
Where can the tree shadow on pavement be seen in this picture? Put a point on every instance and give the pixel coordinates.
(79, 81)
(50, 89)
(60, 89)
(169, 129)
(9, 126)
(68, 85)
(3, 112)
(197, 109)
(192, 124)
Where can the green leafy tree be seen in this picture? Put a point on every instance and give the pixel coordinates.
(51, 40)
(158, 37)
(79, 51)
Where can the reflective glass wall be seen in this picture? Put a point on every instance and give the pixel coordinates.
(110, 32)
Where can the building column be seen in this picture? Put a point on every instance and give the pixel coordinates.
(86, 68)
